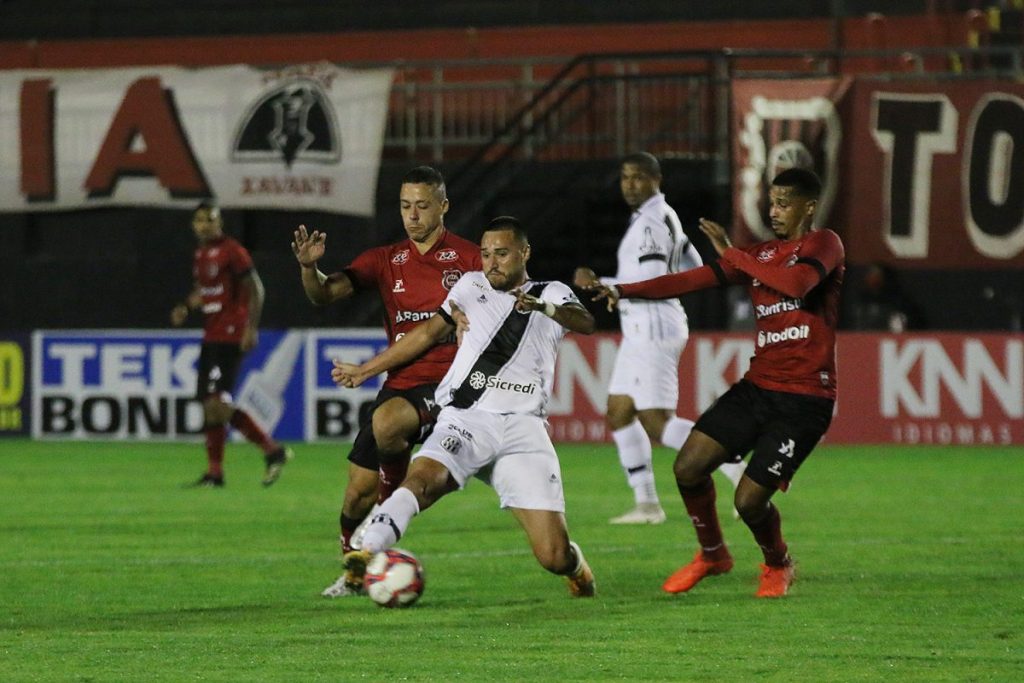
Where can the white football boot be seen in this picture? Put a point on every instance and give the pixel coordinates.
(357, 536)
(340, 589)
(643, 513)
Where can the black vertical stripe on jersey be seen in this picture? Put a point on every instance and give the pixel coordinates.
(671, 228)
(504, 343)
(677, 250)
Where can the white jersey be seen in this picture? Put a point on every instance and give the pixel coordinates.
(654, 244)
(506, 363)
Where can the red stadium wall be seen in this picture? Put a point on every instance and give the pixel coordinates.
(471, 43)
(912, 389)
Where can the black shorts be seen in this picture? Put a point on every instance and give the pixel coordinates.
(364, 451)
(781, 429)
(218, 369)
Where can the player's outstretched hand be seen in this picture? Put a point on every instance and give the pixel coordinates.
(608, 292)
(309, 248)
(585, 278)
(250, 338)
(526, 302)
(179, 314)
(347, 375)
(717, 234)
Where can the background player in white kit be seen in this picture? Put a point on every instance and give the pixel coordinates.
(494, 400)
(644, 388)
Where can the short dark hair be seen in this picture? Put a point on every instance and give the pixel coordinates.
(647, 162)
(427, 175)
(210, 207)
(805, 183)
(509, 223)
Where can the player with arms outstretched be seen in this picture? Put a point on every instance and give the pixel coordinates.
(783, 405)
(412, 277)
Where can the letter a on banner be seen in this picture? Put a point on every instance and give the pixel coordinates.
(146, 139)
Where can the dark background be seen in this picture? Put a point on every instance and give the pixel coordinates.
(111, 268)
(70, 19)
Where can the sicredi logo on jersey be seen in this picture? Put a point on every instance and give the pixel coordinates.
(479, 380)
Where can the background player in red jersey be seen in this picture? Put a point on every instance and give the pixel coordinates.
(413, 278)
(783, 405)
(229, 292)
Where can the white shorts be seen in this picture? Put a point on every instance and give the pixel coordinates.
(647, 371)
(511, 453)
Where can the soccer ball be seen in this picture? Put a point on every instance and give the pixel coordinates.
(394, 578)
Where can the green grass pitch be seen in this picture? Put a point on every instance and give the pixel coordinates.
(910, 568)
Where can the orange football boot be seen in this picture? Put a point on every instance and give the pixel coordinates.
(689, 575)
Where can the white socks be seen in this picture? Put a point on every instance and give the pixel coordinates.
(675, 432)
(391, 521)
(635, 456)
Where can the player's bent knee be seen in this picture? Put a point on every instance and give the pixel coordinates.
(429, 480)
(752, 506)
(687, 470)
(393, 429)
(216, 412)
(620, 413)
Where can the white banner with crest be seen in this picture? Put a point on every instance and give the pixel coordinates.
(300, 137)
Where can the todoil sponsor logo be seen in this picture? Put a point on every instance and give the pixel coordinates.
(788, 334)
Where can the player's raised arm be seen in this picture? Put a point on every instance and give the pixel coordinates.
(321, 289)
(822, 253)
(663, 287)
(411, 346)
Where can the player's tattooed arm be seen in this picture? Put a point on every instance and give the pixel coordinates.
(411, 346)
(571, 316)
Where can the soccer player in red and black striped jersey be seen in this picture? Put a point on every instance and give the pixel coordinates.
(413, 278)
(228, 291)
(783, 405)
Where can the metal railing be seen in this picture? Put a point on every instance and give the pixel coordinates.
(446, 111)
(499, 114)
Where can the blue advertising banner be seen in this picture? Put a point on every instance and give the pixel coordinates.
(333, 413)
(141, 384)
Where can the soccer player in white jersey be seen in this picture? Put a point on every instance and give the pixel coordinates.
(492, 424)
(644, 388)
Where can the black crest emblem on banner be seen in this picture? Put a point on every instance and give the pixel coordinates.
(294, 121)
(781, 134)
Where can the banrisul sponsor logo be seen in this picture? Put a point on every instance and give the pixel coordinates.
(412, 316)
(784, 306)
(788, 334)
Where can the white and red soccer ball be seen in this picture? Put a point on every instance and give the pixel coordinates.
(394, 578)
